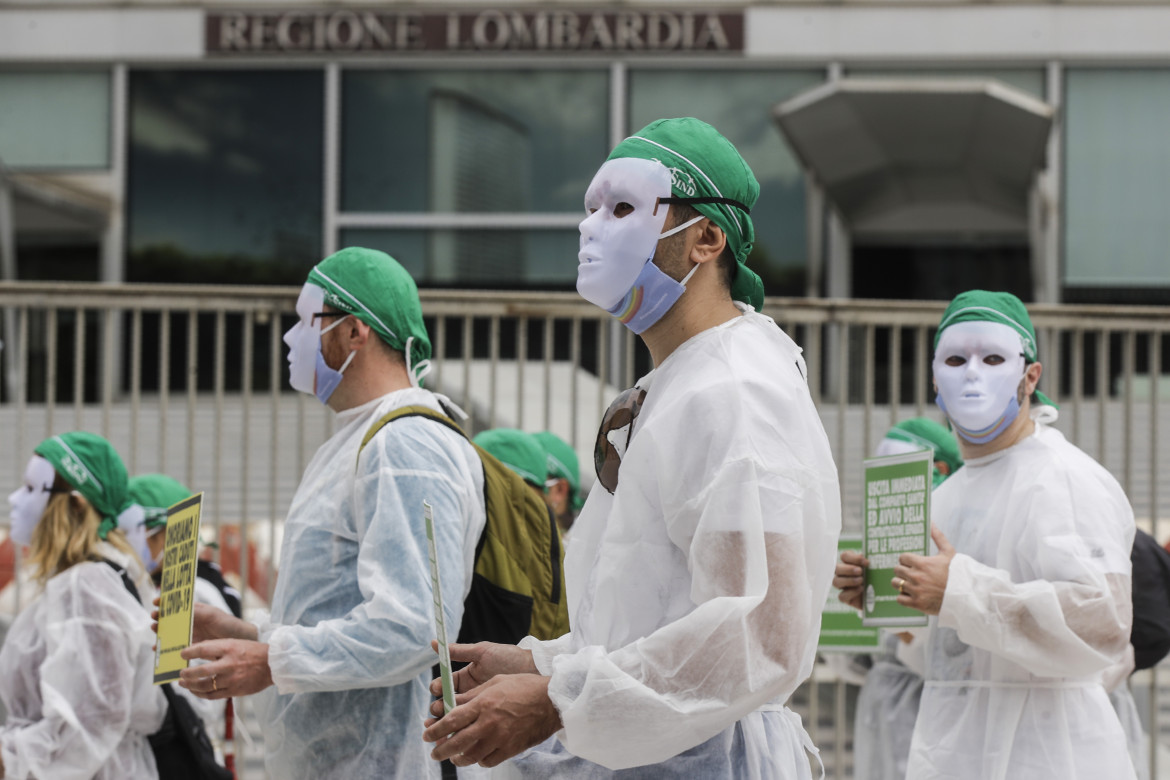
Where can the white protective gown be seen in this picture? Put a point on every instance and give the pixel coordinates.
(887, 708)
(1036, 610)
(352, 616)
(695, 591)
(76, 676)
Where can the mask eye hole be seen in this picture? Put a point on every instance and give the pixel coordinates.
(993, 360)
(622, 209)
(955, 360)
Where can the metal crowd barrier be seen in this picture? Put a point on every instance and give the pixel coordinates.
(192, 381)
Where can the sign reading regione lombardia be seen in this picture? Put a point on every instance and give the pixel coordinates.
(331, 31)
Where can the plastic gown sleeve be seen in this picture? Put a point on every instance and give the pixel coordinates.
(1052, 629)
(385, 640)
(86, 684)
(744, 644)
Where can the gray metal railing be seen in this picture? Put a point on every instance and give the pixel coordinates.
(192, 381)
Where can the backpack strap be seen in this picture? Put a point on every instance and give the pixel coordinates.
(129, 583)
(418, 410)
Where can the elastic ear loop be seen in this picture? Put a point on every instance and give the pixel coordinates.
(681, 227)
(676, 229)
(349, 359)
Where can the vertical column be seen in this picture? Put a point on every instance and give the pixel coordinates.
(618, 129)
(814, 279)
(11, 379)
(1046, 219)
(113, 260)
(331, 181)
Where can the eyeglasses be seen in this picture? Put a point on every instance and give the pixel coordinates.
(620, 414)
(317, 314)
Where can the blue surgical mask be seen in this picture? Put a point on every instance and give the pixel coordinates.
(986, 434)
(650, 298)
(327, 378)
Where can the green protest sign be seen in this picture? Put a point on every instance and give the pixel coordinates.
(897, 521)
(841, 628)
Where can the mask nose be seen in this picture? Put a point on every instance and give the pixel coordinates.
(590, 227)
(291, 334)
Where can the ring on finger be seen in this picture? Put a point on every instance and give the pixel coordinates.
(213, 685)
(901, 585)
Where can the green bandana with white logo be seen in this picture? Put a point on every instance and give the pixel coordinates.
(375, 288)
(709, 174)
(93, 468)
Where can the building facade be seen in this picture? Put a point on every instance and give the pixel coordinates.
(903, 150)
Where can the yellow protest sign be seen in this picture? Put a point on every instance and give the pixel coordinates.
(176, 604)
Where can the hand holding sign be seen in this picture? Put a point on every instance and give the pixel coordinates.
(922, 579)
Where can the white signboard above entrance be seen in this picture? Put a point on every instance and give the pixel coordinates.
(361, 31)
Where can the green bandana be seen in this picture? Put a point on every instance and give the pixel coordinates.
(156, 493)
(562, 463)
(92, 467)
(929, 435)
(707, 172)
(375, 288)
(1001, 307)
(517, 450)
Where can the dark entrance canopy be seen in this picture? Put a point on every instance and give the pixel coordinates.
(921, 156)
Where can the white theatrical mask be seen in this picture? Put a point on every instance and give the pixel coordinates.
(977, 368)
(29, 501)
(617, 242)
(304, 339)
(888, 447)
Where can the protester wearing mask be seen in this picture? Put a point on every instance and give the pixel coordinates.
(703, 554)
(156, 493)
(1029, 593)
(562, 488)
(76, 667)
(887, 705)
(344, 659)
(517, 450)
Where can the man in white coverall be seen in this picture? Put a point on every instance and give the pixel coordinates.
(1029, 593)
(345, 656)
(701, 559)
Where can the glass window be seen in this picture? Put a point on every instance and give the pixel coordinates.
(1117, 178)
(55, 119)
(1030, 80)
(739, 104)
(460, 141)
(225, 172)
(477, 258)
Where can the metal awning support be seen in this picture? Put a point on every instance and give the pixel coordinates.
(906, 156)
(7, 273)
(7, 229)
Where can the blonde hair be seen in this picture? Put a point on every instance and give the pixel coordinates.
(67, 534)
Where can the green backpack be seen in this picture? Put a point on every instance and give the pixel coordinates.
(518, 585)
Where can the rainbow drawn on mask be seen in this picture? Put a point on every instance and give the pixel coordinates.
(633, 303)
(984, 435)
